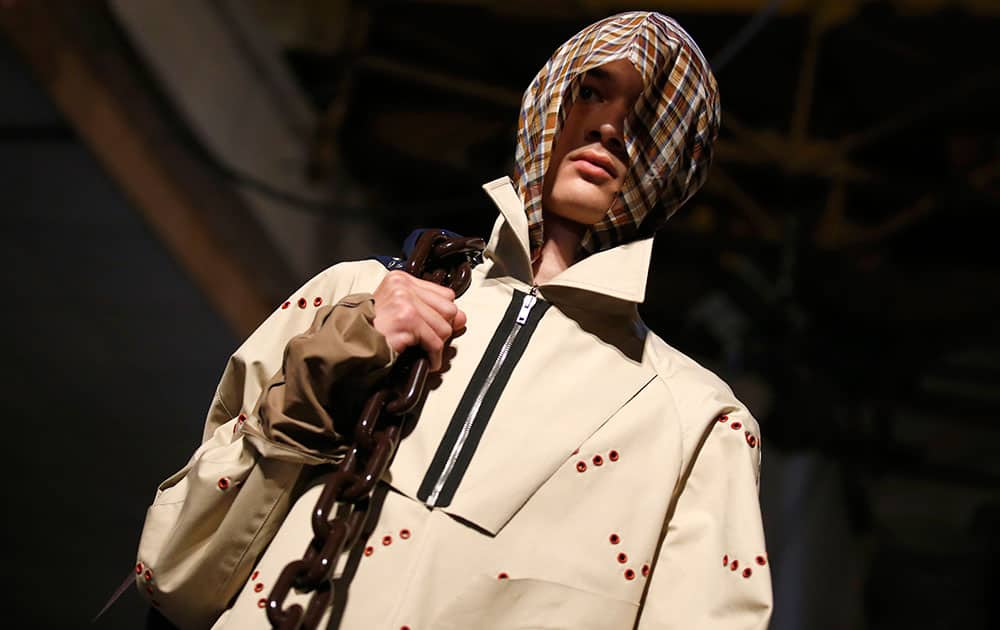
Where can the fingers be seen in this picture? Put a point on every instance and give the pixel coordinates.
(445, 308)
(432, 343)
(414, 312)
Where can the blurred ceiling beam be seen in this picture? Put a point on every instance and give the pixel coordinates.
(241, 103)
(109, 112)
(837, 12)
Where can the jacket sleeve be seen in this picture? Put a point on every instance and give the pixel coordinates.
(712, 569)
(269, 420)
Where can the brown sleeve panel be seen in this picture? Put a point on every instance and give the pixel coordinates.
(312, 403)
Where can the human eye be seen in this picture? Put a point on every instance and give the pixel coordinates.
(588, 93)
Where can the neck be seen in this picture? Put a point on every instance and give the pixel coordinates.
(558, 252)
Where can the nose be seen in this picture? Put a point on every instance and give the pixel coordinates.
(610, 136)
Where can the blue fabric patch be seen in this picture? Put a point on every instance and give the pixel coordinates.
(390, 262)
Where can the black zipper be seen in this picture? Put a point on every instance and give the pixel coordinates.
(466, 428)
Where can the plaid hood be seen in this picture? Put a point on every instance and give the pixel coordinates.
(668, 136)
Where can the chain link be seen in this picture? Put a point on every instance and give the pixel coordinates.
(438, 258)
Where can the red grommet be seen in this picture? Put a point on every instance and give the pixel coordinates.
(258, 587)
(223, 483)
(286, 305)
(242, 417)
(734, 565)
(317, 301)
(386, 541)
(752, 441)
(645, 570)
(613, 456)
(404, 534)
(404, 628)
(761, 560)
(747, 572)
(598, 460)
(502, 576)
(614, 539)
(622, 558)
(725, 560)
(723, 418)
(138, 568)
(736, 426)
(629, 574)
(302, 302)
(581, 467)
(148, 575)
(262, 602)
(254, 576)
(369, 550)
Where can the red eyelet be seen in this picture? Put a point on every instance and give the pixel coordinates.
(258, 587)
(736, 426)
(148, 575)
(723, 418)
(645, 570)
(404, 628)
(622, 558)
(317, 301)
(761, 561)
(747, 572)
(254, 576)
(725, 560)
(138, 568)
(386, 541)
(735, 564)
(369, 550)
(613, 456)
(629, 574)
(614, 539)
(286, 305)
(404, 534)
(502, 576)
(262, 602)
(302, 302)
(752, 441)
(223, 483)
(598, 460)
(581, 467)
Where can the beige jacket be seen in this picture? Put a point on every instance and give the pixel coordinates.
(614, 484)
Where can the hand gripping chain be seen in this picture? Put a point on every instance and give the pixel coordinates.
(438, 258)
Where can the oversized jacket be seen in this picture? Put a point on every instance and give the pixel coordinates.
(611, 481)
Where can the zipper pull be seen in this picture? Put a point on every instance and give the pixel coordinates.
(526, 305)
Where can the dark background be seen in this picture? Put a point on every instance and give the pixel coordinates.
(839, 268)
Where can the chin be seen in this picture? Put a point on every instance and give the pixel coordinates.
(580, 201)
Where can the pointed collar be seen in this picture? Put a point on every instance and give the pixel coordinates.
(619, 272)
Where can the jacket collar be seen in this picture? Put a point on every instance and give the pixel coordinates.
(619, 272)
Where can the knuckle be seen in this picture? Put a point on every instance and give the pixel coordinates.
(406, 311)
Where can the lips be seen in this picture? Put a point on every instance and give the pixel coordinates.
(599, 160)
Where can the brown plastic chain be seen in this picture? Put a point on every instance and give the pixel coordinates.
(439, 258)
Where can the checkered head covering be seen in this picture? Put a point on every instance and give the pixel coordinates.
(668, 136)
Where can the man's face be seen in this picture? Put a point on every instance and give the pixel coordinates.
(588, 163)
